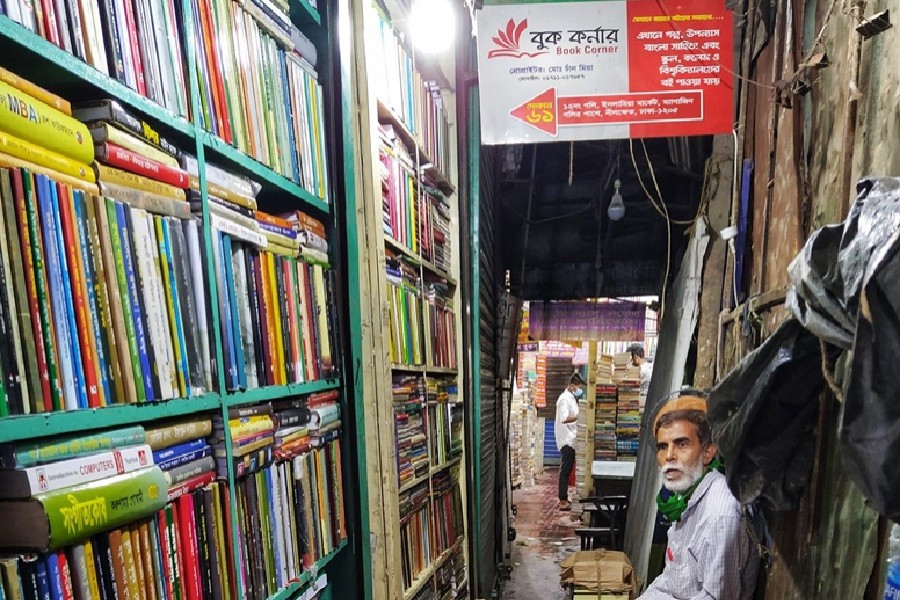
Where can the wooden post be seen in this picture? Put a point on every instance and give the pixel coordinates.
(717, 192)
(590, 393)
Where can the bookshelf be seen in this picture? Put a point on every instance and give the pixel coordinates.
(411, 229)
(30, 56)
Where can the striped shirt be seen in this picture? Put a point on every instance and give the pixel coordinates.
(710, 555)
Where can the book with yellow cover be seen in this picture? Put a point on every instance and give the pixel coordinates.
(36, 91)
(107, 174)
(34, 121)
(14, 162)
(19, 148)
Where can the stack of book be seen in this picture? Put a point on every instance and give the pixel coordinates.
(539, 395)
(582, 460)
(406, 325)
(440, 325)
(103, 520)
(400, 192)
(628, 419)
(411, 442)
(605, 369)
(447, 510)
(257, 91)
(415, 534)
(292, 434)
(183, 452)
(252, 433)
(137, 44)
(605, 423)
(87, 320)
(409, 389)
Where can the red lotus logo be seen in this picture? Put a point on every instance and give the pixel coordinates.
(508, 42)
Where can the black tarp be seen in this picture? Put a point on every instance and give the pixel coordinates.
(845, 296)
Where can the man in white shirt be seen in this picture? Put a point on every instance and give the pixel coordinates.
(709, 554)
(566, 429)
(639, 360)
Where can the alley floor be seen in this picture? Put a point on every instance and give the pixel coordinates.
(545, 536)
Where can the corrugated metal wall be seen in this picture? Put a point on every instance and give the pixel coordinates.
(489, 398)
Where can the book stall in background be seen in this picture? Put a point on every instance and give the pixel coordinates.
(413, 161)
(170, 403)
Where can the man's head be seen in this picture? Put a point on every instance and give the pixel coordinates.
(684, 445)
(637, 354)
(576, 383)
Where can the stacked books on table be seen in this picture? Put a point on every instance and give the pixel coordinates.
(628, 419)
(605, 423)
(605, 369)
(117, 514)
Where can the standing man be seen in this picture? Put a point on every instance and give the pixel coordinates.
(639, 360)
(709, 554)
(566, 430)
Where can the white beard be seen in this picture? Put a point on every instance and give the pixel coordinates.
(691, 474)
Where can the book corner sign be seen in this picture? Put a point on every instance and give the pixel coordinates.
(613, 69)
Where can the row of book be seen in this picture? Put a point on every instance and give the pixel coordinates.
(445, 430)
(256, 90)
(406, 319)
(436, 246)
(416, 552)
(440, 325)
(628, 419)
(136, 43)
(415, 101)
(103, 281)
(400, 192)
(450, 577)
(277, 306)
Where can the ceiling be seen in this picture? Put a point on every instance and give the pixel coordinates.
(557, 240)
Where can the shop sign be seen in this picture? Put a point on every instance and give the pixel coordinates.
(560, 71)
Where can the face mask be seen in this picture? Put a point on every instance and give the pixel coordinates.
(578, 392)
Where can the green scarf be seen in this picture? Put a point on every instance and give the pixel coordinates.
(673, 505)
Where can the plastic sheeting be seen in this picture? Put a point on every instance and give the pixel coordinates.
(763, 416)
(845, 292)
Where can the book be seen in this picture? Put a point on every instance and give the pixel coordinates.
(33, 452)
(107, 174)
(112, 111)
(166, 435)
(102, 131)
(34, 121)
(37, 154)
(25, 86)
(27, 482)
(133, 162)
(66, 516)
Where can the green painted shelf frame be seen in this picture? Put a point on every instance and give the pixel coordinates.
(62, 72)
(308, 576)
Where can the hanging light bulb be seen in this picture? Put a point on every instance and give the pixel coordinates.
(616, 208)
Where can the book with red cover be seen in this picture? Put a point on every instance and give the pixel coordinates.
(79, 291)
(190, 560)
(116, 156)
(137, 62)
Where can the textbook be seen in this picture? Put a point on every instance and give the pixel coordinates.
(32, 452)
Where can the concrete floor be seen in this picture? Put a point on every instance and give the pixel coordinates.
(545, 536)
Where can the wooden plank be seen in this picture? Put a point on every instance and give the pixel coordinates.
(717, 193)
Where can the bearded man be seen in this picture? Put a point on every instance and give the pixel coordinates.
(709, 554)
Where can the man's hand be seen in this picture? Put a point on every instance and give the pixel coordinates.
(571, 420)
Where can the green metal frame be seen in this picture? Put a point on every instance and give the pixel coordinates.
(354, 282)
